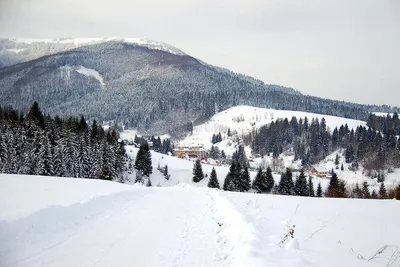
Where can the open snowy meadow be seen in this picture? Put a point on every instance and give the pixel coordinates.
(51, 221)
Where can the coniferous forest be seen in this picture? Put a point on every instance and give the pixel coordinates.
(38, 144)
(377, 151)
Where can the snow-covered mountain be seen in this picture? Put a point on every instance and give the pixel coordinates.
(16, 50)
(51, 221)
(139, 83)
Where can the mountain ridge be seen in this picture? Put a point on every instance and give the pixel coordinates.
(149, 89)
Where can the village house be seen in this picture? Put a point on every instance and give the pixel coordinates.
(191, 151)
(320, 172)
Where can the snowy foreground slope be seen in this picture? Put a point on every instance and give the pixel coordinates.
(76, 222)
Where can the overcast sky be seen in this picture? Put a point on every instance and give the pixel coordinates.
(343, 49)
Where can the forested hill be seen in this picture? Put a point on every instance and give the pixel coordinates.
(152, 90)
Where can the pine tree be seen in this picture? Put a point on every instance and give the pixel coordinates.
(197, 172)
(228, 183)
(319, 190)
(342, 168)
(357, 192)
(143, 160)
(365, 190)
(337, 160)
(166, 175)
(374, 195)
(286, 184)
(269, 183)
(242, 182)
(382, 191)
(257, 182)
(213, 182)
(333, 187)
(300, 187)
(310, 192)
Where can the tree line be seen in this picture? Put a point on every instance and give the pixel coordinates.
(311, 142)
(38, 144)
(238, 180)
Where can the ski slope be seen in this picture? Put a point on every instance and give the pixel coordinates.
(186, 226)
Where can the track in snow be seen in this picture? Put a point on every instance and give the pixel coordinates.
(145, 227)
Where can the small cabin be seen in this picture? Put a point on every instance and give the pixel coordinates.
(320, 172)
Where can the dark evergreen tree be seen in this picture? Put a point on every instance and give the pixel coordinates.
(228, 183)
(213, 182)
(319, 190)
(242, 182)
(286, 184)
(197, 172)
(269, 184)
(300, 187)
(166, 174)
(258, 182)
(365, 190)
(310, 186)
(382, 191)
(143, 160)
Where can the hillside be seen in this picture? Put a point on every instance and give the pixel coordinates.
(186, 226)
(143, 85)
(242, 120)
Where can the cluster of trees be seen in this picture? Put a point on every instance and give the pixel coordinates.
(39, 144)
(216, 138)
(165, 146)
(312, 142)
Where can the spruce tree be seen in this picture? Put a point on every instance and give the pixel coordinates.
(257, 182)
(228, 183)
(337, 160)
(333, 187)
(310, 185)
(286, 184)
(374, 195)
(300, 187)
(213, 182)
(197, 172)
(365, 190)
(269, 184)
(166, 174)
(319, 190)
(342, 168)
(242, 182)
(143, 160)
(382, 191)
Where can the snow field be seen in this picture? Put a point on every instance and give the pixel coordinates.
(188, 226)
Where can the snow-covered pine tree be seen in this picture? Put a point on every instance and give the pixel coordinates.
(310, 185)
(286, 184)
(45, 164)
(300, 187)
(242, 182)
(197, 172)
(382, 191)
(213, 182)
(319, 190)
(166, 175)
(228, 183)
(143, 160)
(269, 180)
(257, 184)
(365, 190)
